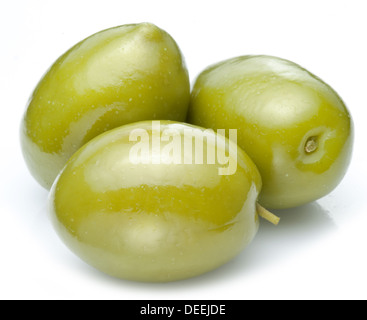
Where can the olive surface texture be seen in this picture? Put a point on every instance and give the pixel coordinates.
(294, 126)
(146, 215)
(114, 77)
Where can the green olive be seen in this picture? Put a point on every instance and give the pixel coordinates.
(294, 126)
(117, 76)
(164, 217)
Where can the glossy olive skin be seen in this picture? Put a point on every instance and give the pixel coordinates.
(294, 126)
(153, 222)
(117, 76)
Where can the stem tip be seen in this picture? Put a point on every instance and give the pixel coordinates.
(267, 215)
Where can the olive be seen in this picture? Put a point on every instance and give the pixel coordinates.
(294, 126)
(155, 201)
(114, 77)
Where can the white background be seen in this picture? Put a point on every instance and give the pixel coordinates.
(317, 252)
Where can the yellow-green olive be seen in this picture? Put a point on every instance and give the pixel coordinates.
(144, 210)
(293, 125)
(117, 76)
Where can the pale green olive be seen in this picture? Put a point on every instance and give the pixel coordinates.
(114, 77)
(294, 126)
(149, 221)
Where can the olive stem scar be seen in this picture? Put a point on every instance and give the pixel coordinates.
(311, 145)
(266, 214)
